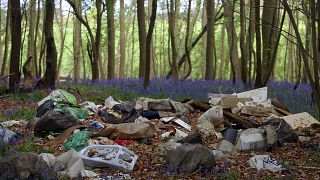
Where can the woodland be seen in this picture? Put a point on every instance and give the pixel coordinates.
(176, 49)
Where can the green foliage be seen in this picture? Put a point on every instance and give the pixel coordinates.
(30, 146)
(18, 114)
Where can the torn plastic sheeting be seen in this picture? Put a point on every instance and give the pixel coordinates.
(129, 131)
(59, 95)
(63, 136)
(258, 95)
(7, 135)
(110, 102)
(78, 140)
(80, 113)
(188, 158)
(113, 156)
(265, 162)
(68, 164)
(56, 121)
(91, 106)
(300, 120)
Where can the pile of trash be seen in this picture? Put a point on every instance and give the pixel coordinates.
(99, 136)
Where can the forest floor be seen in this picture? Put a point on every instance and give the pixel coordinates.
(302, 160)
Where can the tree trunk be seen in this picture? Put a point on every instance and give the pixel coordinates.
(142, 36)
(201, 65)
(304, 54)
(15, 45)
(148, 43)
(51, 58)
(1, 58)
(6, 41)
(186, 43)
(232, 40)
(31, 37)
(77, 46)
(210, 40)
(258, 45)
(222, 70)
(172, 27)
(132, 46)
(122, 40)
(111, 40)
(63, 33)
(250, 38)
(243, 48)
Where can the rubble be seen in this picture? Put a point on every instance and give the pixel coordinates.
(188, 136)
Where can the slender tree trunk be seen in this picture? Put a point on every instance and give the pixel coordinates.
(243, 48)
(142, 36)
(222, 70)
(148, 43)
(51, 59)
(36, 40)
(258, 45)
(204, 19)
(172, 27)
(232, 40)
(77, 46)
(1, 55)
(6, 41)
(210, 40)
(31, 37)
(122, 40)
(132, 46)
(15, 45)
(111, 40)
(250, 38)
(63, 33)
(186, 43)
(304, 54)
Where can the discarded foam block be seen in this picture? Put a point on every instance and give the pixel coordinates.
(300, 120)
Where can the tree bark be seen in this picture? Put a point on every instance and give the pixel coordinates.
(122, 40)
(210, 40)
(142, 36)
(94, 43)
(111, 39)
(51, 58)
(304, 54)
(243, 48)
(31, 37)
(172, 27)
(232, 40)
(148, 43)
(6, 40)
(15, 44)
(77, 46)
(1, 55)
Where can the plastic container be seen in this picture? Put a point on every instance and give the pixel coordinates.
(114, 156)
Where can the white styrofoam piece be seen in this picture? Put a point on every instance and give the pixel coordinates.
(183, 124)
(167, 119)
(114, 156)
